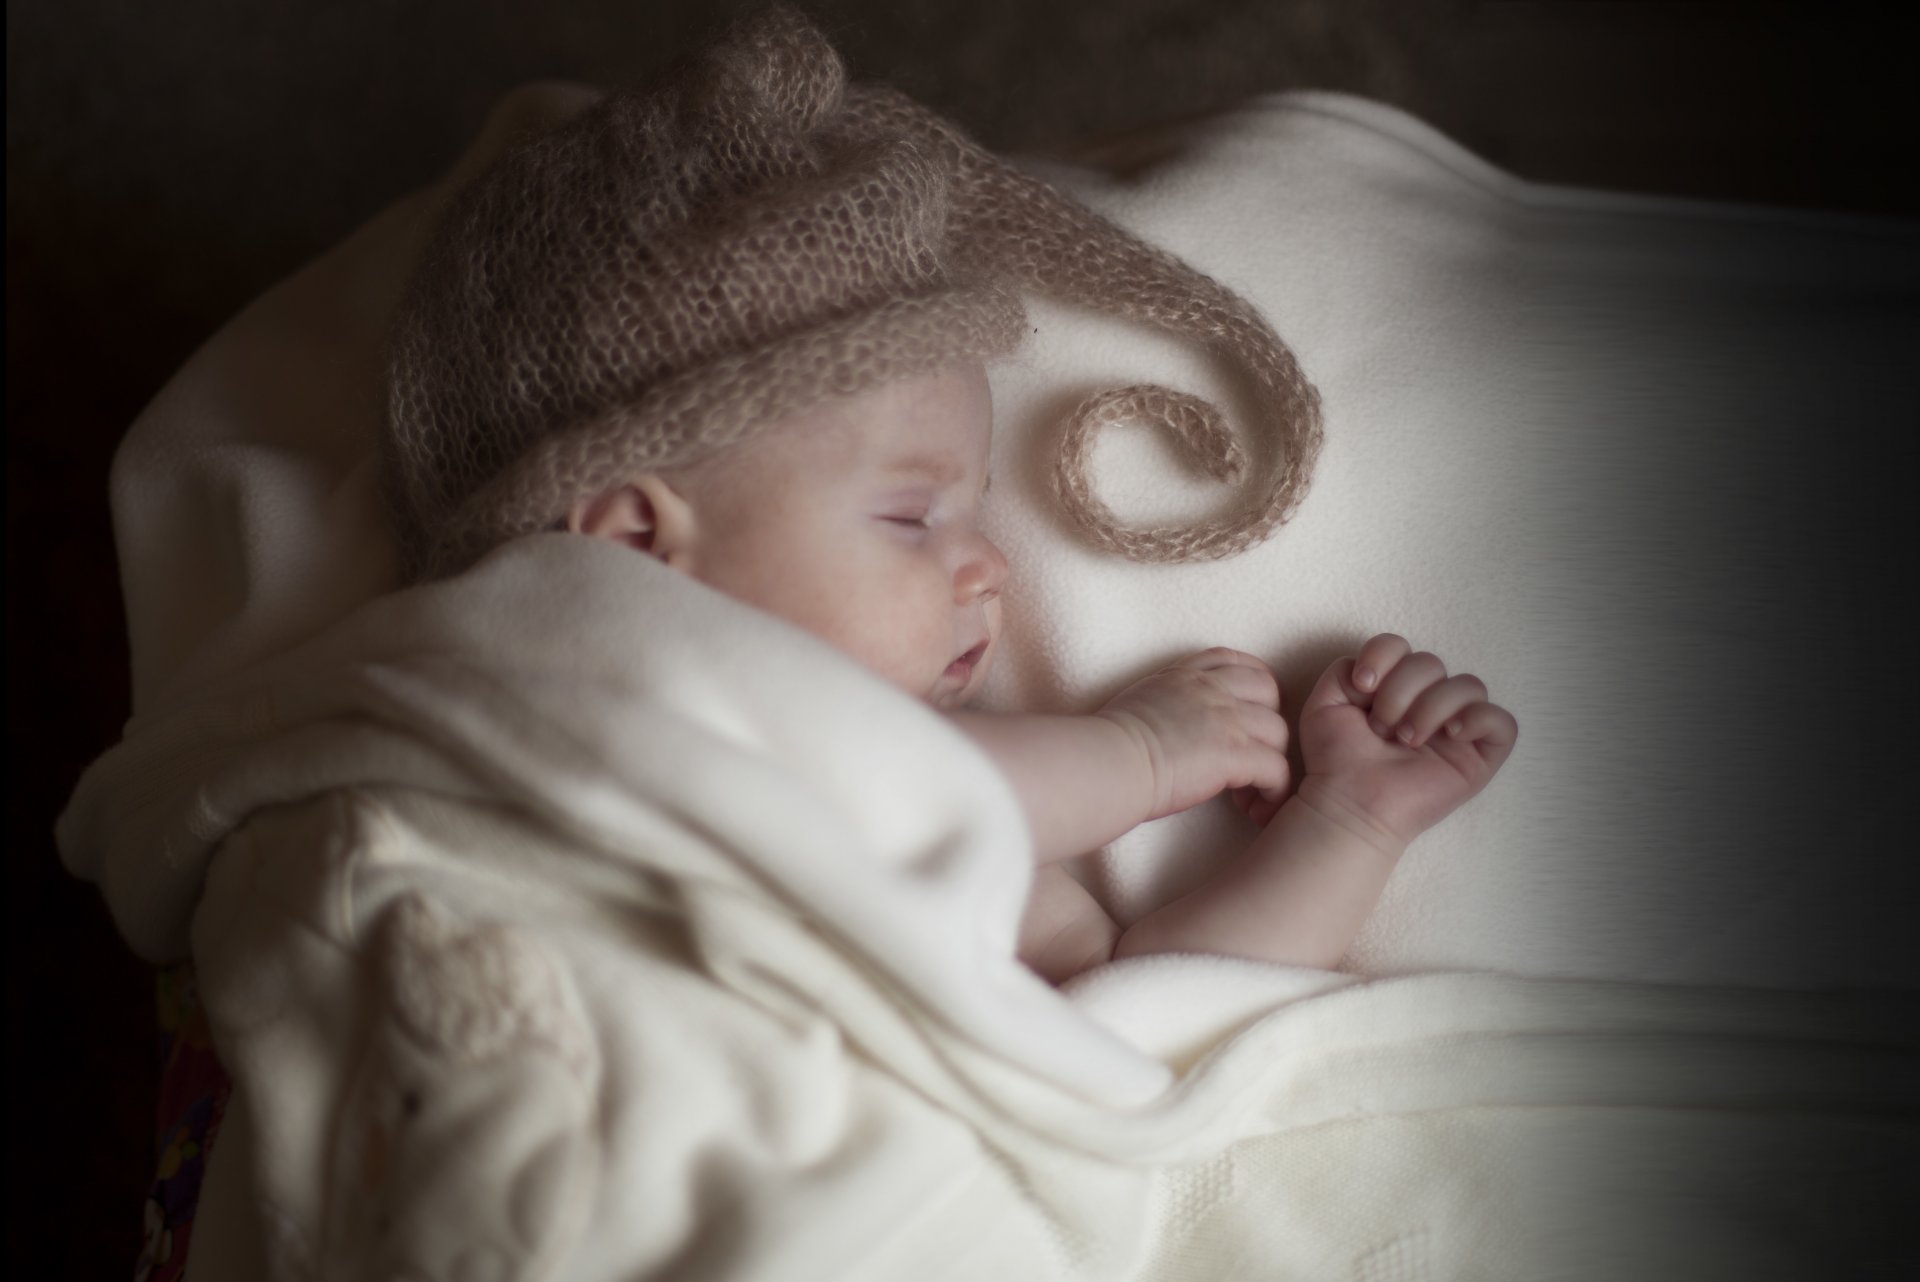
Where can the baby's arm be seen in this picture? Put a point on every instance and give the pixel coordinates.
(1392, 746)
(1080, 780)
(1167, 742)
(1172, 740)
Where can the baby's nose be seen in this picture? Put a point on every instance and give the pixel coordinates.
(982, 576)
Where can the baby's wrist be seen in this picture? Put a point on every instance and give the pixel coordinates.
(1137, 756)
(1349, 817)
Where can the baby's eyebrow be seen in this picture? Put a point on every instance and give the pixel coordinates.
(938, 468)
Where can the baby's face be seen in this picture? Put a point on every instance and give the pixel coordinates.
(858, 520)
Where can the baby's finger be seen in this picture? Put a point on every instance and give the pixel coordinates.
(1436, 705)
(1375, 660)
(1257, 805)
(1219, 656)
(1264, 726)
(1254, 685)
(1409, 679)
(1264, 771)
(1265, 808)
(1486, 727)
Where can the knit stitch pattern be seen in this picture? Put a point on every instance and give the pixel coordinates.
(677, 268)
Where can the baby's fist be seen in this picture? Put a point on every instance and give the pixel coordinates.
(1390, 739)
(1208, 723)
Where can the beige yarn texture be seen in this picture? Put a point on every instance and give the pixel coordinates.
(678, 267)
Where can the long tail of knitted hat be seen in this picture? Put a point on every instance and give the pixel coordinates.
(674, 269)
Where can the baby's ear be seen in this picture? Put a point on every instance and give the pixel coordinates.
(645, 514)
(622, 514)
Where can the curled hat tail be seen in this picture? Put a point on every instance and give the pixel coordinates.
(1009, 223)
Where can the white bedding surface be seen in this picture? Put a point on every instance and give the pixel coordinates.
(1558, 427)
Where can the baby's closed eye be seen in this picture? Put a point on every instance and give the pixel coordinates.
(909, 531)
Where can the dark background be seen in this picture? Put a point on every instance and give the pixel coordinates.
(165, 163)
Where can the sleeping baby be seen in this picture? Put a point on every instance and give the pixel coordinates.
(859, 520)
(740, 322)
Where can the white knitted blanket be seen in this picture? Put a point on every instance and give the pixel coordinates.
(569, 920)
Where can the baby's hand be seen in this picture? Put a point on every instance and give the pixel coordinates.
(1207, 723)
(1393, 742)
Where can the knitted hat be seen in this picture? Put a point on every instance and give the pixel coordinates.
(675, 268)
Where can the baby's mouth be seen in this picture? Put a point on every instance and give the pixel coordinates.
(961, 669)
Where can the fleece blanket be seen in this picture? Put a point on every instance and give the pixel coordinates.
(569, 920)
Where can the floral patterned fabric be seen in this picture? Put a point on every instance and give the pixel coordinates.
(193, 1100)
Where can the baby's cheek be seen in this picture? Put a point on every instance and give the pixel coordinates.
(892, 646)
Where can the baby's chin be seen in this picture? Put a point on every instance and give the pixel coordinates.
(947, 699)
(953, 701)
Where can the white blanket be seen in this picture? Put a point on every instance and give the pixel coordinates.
(569, 920)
